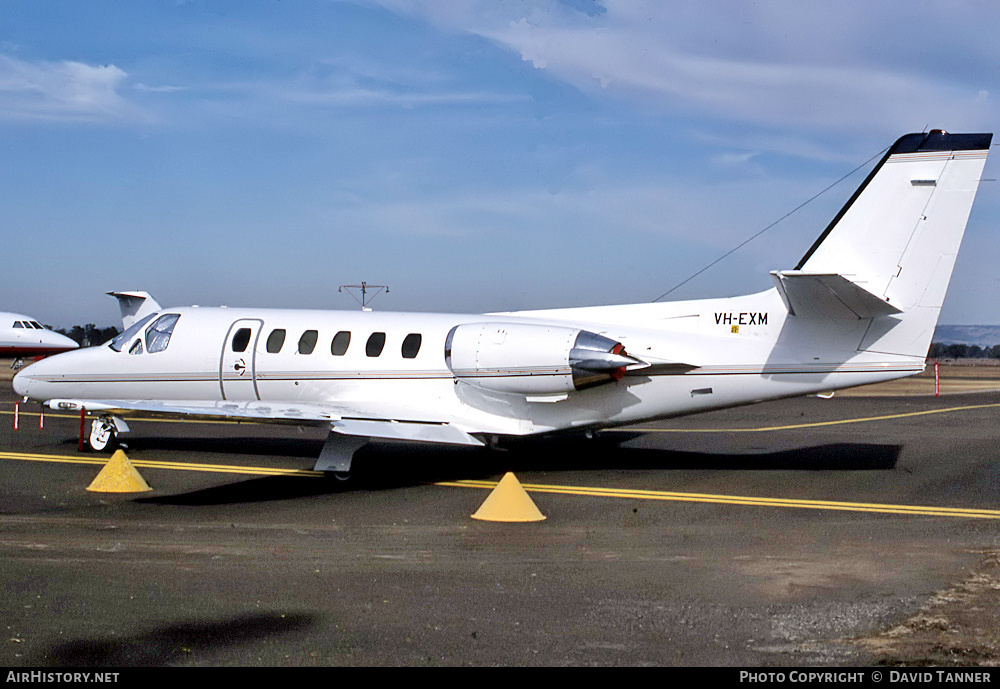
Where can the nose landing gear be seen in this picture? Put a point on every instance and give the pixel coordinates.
(104, 432)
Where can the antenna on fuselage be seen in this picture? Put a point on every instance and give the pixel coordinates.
(364, 289)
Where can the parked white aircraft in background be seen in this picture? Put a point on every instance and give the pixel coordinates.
(859, 308)
(23, 336)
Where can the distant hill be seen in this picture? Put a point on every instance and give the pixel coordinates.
(982, 335)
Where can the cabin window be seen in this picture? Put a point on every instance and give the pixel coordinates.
(275, 340)
(130, 332)
(158, 335)
(307, 343)
(341, 341)
(375, 344)
(411, 345)
(241, 340)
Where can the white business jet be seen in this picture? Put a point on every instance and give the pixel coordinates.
(23, 336)
(860, 307)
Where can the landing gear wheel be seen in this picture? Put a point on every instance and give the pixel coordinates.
(342, 477)
(103, 435)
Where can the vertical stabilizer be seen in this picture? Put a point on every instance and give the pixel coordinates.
(898, 236)
(134, 306)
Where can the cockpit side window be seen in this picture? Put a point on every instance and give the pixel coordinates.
(18, 324)
(36, 325)
(126, 337)
(136, 347)
(158, 335)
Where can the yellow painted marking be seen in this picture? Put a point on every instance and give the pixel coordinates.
(635, 494)
(153, 464)
(817, 424)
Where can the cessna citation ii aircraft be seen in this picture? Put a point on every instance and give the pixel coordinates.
(860, 307)
(22, 336)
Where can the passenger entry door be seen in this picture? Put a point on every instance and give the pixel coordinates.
(237, 367)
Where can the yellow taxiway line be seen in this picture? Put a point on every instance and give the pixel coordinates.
(635, 494)
(153, 464)
(818, 424)
(631, 494)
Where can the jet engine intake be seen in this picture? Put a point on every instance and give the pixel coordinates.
(534, 359)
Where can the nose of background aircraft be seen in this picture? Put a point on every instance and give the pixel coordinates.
(60, 340)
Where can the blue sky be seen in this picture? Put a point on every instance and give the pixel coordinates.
(474, 156)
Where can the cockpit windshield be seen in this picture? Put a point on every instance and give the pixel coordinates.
(126, 337)
(158, 335)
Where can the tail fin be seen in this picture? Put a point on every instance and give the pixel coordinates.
(894, 243)
(134, 306)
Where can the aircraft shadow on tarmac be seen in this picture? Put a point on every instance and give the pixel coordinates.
(387, 466)
(171, 643)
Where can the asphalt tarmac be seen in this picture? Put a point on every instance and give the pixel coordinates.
(804, 532)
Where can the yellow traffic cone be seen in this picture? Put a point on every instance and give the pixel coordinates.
(508, 503)
(119, 476)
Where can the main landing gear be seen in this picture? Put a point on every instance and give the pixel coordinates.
(336, 457)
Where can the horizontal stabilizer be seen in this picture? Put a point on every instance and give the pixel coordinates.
(828, 295)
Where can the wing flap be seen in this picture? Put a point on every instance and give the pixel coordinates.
(396, 429)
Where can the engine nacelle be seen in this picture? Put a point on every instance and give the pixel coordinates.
(531, 359)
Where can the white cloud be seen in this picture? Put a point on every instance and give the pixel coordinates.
(158, 89)
(62, 91)
(627, 60)
(362, 97)
(773, 64)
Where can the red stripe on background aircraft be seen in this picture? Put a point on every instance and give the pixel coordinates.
(23, 336)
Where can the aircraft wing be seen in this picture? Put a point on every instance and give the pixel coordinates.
(401, 424)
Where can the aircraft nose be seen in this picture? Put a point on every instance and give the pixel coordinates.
(22, 383)
(61, 340)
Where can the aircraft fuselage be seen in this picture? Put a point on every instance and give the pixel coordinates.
(378, 360)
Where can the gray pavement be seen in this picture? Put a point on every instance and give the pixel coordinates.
(230, 569)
